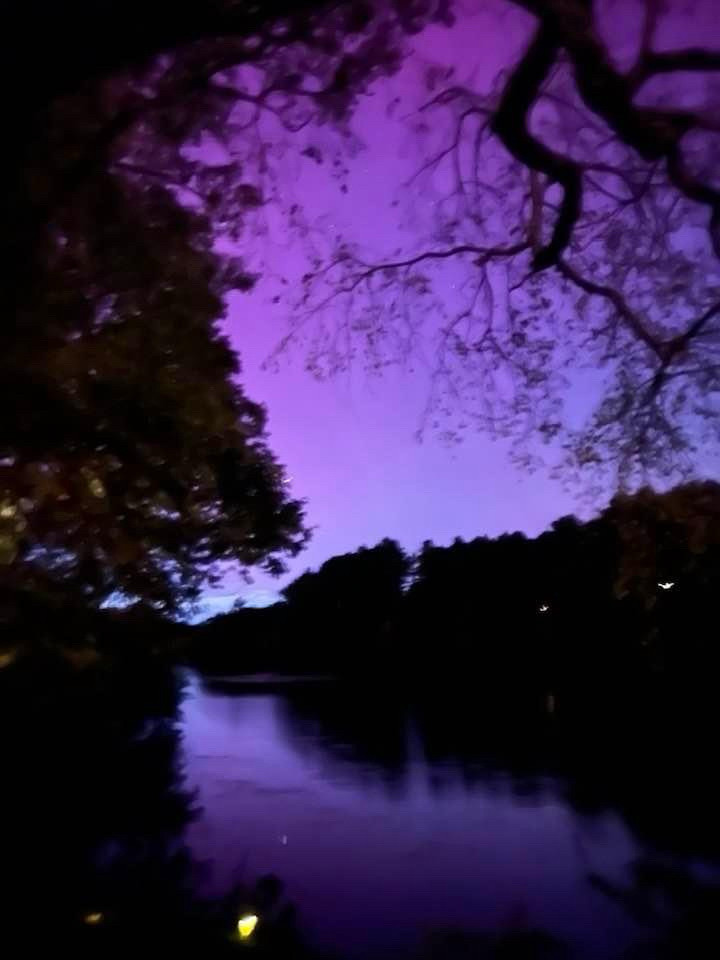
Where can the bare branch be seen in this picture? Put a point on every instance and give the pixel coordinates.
(614, 297)
(650, 22)
(695, 190)
(674, 61)
(511, 125)
(695, 329)
(654, 133)
(483, 254)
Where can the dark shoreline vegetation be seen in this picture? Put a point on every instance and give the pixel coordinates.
(621, 607)
(559, 656)
(94, 810)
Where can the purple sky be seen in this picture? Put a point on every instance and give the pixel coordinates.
(349, 443)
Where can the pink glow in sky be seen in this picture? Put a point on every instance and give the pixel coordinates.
(349, 443)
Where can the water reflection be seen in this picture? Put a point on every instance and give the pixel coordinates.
(406, 827)
(94, 810)
(429, 828)
(450, 745)
(653, 767)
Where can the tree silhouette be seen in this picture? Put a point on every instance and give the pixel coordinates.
(577, 215)
(618, 603)
(347, 608)
(131, 461)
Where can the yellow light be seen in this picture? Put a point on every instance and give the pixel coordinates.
(93, 919)
(7, 657)
(246, 925)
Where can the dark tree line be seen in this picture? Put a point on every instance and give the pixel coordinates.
(609, 603)
(122, 239)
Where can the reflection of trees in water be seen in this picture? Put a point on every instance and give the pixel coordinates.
(675, 908)
(93, 812)
(652, 767)
(93, 807)
(377, 736)
(657, 769)
(91, 785)
(357, 735)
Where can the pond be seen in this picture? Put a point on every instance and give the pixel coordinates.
(391, 824)
(141, 807)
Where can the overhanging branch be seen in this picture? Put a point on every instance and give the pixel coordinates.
(614, 297)
(510, 123)
(655, 134)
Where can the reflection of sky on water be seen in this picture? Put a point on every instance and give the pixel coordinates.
(373, 862)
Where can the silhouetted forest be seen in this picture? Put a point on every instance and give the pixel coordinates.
(627, 598)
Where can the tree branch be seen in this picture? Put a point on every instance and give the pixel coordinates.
(673, 61)
(510, 123)
(483, 254)
(655, 134)
(696, 328)
(674, 348)
(695, 190)
(614, 297)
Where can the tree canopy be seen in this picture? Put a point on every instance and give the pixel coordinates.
(131, 461)
(614, 603)
(582, 200)
(577, 213)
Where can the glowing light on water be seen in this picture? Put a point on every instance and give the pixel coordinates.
(246, 925)
(667, 584)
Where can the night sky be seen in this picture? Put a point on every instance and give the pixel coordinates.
(349, 443)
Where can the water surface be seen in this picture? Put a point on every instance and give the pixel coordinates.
(388, 823)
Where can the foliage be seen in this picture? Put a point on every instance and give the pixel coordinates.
(131, 461)
(666, 537)
(345, 610)
(367, 582)
(141, 165)
(609, 603)
(333, 620)
(575, 228)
